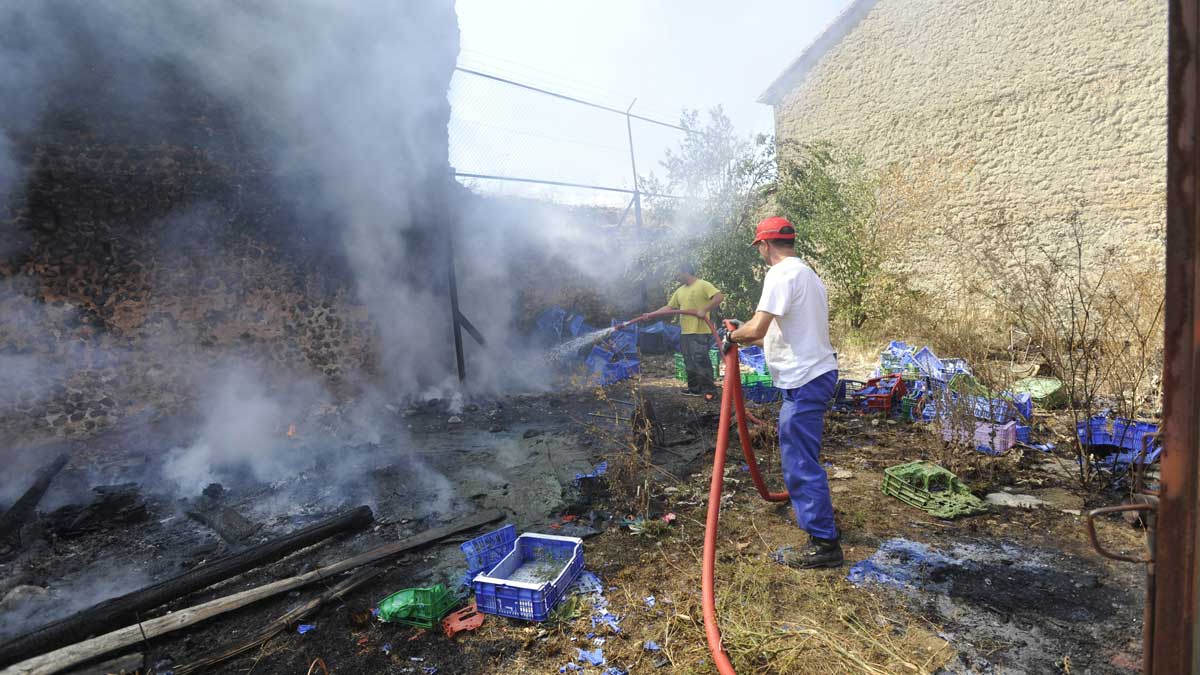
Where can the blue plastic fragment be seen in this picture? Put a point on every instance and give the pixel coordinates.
(386, 648)
(429, 670)
(594, 657)
(896, 563)
(598, 471)
(652, 646)
(586, 583)
(649, 600)
(745, 467)
(304, 628)
(570, 666)
(615, 671)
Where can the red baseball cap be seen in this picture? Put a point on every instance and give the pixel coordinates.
(775, 227)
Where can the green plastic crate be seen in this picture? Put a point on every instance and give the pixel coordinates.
(753, 378)
(931, 488)
(1046, 392)
(421, 607)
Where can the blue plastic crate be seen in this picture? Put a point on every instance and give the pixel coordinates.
(754, 358)
(616, 371)
(1023, 431)
(928, 362)
(597, 359)
(574, 325)
(550, 323)
(761, 393)
(1131, 434)
(485, 551)
(531, 580)
(624, 341)
(1095, 431)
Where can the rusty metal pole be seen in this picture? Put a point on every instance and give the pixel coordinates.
(1173, 632)
(452, 279)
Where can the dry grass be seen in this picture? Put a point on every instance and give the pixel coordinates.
(774, 620)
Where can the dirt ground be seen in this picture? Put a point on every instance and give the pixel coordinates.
(1023, 593)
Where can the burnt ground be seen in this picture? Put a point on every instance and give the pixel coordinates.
(1022, 592)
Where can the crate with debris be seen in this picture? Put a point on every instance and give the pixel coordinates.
(931, 488)
(531, 580)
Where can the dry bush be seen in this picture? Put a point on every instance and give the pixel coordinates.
(1093, 325)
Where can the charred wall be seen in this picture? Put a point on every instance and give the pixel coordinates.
(158, 225)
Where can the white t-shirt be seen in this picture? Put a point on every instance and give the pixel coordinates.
(797, 341)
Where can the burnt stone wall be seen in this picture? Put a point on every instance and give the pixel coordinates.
(133, 267)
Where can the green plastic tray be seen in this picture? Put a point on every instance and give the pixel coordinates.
(932, 489)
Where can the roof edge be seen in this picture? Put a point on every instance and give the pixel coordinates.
(828, 39)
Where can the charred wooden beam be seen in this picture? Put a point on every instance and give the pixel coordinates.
(126, 609)
(13, 519)
(82, 652)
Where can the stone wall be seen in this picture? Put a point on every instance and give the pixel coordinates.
(1014, 111)
(155, 236)
(138, 271)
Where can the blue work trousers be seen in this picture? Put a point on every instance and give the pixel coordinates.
(801, 425)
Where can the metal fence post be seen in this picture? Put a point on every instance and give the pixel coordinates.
(637, 197)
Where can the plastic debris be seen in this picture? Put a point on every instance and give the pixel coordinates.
(594, 657)
(596, 472)
(465, 619)
(570, 666)
(668, 518)
(896, 563)
(649, 600)
(598, 641)
(652, 646)
(304, 628)
(386, 648)
(429, 670)
(615, 671)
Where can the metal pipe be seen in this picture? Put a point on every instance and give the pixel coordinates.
(1173, 632)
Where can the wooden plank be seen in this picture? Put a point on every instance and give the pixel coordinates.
(277, 626)
(66, 657)
(124, 610)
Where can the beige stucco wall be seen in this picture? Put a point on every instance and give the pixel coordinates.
(1021, 110)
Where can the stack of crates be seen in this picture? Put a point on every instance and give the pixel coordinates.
(615, 358)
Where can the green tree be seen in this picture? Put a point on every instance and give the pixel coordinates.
(831, 201)
(718, 181)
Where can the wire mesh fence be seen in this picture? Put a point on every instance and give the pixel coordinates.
(513, 138)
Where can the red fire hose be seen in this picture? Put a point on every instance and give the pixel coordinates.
(731, 400)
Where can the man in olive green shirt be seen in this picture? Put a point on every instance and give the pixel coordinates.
(696, 295)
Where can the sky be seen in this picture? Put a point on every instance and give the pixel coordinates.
(668, 54)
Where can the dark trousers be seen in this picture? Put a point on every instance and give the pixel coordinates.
(695, 359)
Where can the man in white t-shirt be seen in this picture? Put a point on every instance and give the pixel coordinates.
(792, 323)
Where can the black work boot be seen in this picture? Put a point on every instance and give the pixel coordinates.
(818, 553)
(821, 553)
